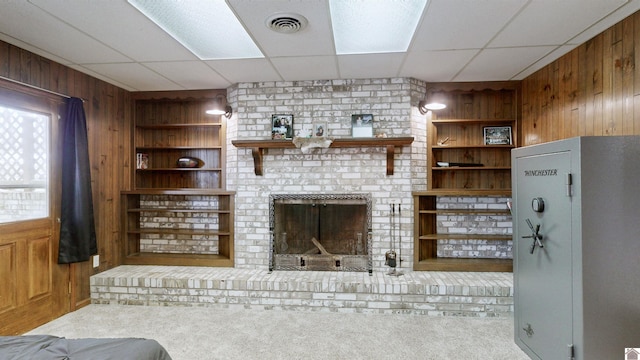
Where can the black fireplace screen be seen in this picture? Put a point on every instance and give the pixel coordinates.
(330, 232)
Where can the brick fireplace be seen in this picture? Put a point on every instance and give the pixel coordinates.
(353, 170)
(361, 170)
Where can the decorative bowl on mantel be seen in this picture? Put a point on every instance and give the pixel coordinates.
(189, 162)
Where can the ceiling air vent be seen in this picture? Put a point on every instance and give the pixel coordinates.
(286, 23)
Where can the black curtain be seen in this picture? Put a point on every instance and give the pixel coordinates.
(77, 227)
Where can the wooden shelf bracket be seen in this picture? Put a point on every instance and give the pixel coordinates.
(257, 153)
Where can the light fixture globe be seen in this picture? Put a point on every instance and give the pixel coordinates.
(219, 106)
(431, 102)
(435, 106)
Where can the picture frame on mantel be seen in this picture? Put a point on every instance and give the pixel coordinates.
(362, 125)
(281, 126)
(319, 128)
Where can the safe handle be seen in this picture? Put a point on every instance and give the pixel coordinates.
(535, 236)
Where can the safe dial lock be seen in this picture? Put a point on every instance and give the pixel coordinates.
(537, 204)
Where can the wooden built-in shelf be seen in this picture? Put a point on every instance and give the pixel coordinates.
(179, 169)
(170, 259)
(427, 236)
(464, 192)
(472, 121)
(132, 231)
(257, 147)
(178, 125)
(178, 191)
(459, 264)
(446, 147)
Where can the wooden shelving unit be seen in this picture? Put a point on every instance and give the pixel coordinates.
(464, 144)
(133, 210)
(456, 136)
(258, 146)
(427, 236)
(169, 126)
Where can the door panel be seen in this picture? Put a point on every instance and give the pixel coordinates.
(543, 278)
(8, 275)
(35, 287)
(39, 262)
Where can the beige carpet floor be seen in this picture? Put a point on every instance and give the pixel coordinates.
(190, 333)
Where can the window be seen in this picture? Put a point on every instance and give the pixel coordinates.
(24, 164)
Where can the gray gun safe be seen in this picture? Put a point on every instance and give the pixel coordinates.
(576, 235)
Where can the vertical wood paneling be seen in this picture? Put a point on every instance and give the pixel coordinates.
(592, 90)
(108, 123)
(628, 67)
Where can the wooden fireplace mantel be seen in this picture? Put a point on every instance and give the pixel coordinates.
(257, 147)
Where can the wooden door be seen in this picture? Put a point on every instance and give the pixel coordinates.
(34, 288)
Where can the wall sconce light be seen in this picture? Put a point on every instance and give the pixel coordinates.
(432, 101)
(219, 106)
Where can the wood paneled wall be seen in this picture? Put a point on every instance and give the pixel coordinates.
(107, 109)
(593, 90)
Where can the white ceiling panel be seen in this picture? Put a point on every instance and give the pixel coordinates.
(362, 65)
(436, 66)
(617, 16)
(102, 76)
(189, 74)
(553, 56)
(456, 40)
(112, 21)
(245, 70)
(463, 24)
(135, 76)
(307, 68)
(33, 49)
(553, 22)
(490, 64)
(52, 35)
(314, 39)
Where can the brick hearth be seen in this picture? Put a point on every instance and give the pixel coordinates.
(423, 293)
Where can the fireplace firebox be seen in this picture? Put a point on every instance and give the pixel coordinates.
(320, 232)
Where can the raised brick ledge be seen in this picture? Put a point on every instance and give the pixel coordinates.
(481, 294)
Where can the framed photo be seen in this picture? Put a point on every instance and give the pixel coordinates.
(497, 135)
(362, 125)
(282, 126)
(319, 128)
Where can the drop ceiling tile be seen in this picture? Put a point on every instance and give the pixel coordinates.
(189, 74)
(24, 21)
(553, 22)
(436, 66)
(462, 24)
(501, 64)
(553, 56)
(102, 77)
(364, 65)
(145, 41)
(315, 39)
(135, 76)
(306, 68)
(33, 49)
(245, 70)
(617, 16)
